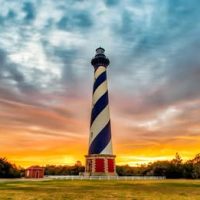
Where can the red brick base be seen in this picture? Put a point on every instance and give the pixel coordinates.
(100, 165)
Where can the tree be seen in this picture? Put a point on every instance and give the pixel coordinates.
(188, 169)
(196, 166)
(177, 160)
(196, 171)
(196, 159)
(8, 170)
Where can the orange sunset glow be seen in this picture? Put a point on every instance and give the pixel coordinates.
(46, 80)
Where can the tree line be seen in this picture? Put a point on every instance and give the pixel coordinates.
(174, 168)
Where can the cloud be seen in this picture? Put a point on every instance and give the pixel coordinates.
(76, 20)
(9, 71)
(111, 2)
(30, 11)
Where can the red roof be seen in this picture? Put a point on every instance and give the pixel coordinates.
(35, 167)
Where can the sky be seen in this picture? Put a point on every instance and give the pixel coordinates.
(46, 78)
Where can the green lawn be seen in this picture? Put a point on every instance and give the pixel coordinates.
(101, 189)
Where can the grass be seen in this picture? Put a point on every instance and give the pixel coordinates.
(99, 189)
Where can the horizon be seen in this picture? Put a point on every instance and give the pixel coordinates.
(46, 78)
(136, 164)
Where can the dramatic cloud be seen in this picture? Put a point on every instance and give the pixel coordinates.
(46, 77)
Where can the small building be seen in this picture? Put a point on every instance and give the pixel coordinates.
(34, 172)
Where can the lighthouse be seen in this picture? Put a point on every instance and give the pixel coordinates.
(100, 160)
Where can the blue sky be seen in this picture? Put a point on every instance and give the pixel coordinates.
(154, 75)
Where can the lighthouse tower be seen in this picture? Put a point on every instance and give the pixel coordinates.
(100, 160)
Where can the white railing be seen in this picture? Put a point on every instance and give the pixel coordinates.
(106, 177)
